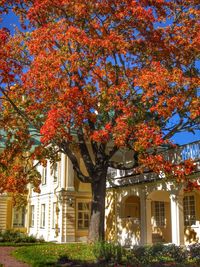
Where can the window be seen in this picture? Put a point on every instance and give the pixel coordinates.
(42, 216)
(55, 172)
(189, 210)
(159, 213)
(32, 215)
(83, 215)
(44, 175)
(19, 217)
(54, 216)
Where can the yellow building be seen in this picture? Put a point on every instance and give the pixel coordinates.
(145, 209)
(61, 212)
(140, 209)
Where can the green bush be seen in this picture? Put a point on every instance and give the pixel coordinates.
(158, 253)
(176, 253)
(143, 254)
(194, 252)
(131, 259)
(105, 251)
(16, 237)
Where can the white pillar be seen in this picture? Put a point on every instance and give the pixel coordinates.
(143, 219)
(63, 171)
(177, 219)
(148, 222)
(181, 219)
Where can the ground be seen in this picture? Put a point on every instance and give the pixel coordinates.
(7, 260)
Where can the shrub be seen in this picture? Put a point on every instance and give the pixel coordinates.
(176, 253)
(143, 254)
(105, 251)
(131, 259)
(194, 252)
(16, 237)
(157, 253)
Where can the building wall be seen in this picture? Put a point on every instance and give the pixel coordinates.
(7, 215)
(130, 210)
(4, 218)
(130, 230)
(60, 197)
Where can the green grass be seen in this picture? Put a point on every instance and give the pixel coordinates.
(50, 254)
(13, 244)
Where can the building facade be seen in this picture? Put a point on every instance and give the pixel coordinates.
(145, 209)
(140, 209)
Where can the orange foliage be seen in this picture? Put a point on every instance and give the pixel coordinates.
(121, 73)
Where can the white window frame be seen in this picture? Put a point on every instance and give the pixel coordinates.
(19, 217)
(85, 214)
(44, 176)
(189, 210)
(32, 215)
(159, 213)
(42, 216)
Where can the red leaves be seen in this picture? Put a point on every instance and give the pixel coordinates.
(119, 71)
(147, 136)
(4, 35)
(192, 185)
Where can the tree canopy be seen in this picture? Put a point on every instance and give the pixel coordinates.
(99, 77)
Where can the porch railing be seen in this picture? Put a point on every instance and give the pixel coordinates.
(176, 155)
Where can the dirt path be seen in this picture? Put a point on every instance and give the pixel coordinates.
(9, 261)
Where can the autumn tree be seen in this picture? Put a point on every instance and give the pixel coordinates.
(99, 77)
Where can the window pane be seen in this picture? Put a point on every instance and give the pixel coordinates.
(159, 210)
(80, 206)
(19, 217)
(86, 224)
(42, 216)
(189, 210)
(83, 215)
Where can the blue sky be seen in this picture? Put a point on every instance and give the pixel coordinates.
(10, 21)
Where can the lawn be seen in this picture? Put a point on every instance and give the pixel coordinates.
(55, 254)
(105, 254)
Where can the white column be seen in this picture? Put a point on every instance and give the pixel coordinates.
(177, 219)
(148, 222)
(143, 220)
(181, 219)
(63, 171)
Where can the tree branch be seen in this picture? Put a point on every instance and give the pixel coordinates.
(21, 113)
(65, 148)
(84, 152)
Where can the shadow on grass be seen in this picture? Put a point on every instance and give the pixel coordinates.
(64, 261)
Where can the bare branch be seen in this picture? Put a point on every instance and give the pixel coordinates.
(20, 112)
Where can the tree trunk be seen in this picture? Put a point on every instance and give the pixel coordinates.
(96, 229)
